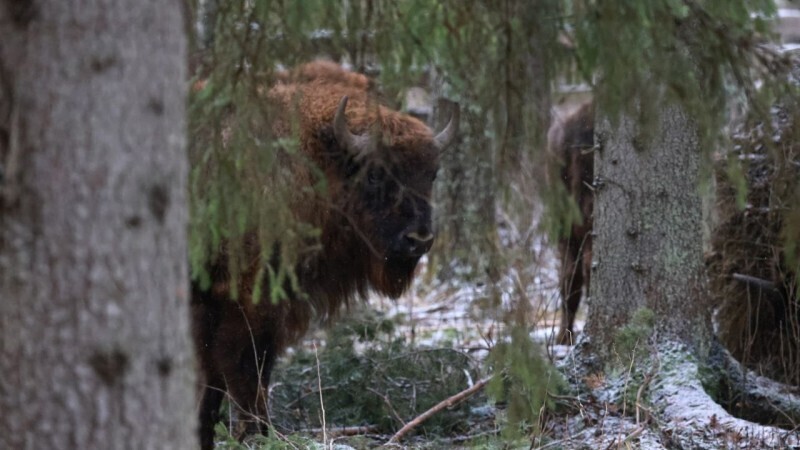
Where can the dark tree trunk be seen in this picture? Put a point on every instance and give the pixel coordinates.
(94, 325)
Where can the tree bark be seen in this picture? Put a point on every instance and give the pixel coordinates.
(648, 248)
(94, 326)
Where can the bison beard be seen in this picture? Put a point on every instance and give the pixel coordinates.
(375, 223)
(571, 141)
(396, 275)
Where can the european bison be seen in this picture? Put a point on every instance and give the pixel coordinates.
(571, 140)
(374, 219)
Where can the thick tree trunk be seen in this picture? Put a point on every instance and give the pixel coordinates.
(648, 249)
(94, 324)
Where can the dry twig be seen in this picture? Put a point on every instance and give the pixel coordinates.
(343, 431)
(446, 403)
(321, 403)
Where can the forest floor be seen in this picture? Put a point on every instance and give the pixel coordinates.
(385, 365)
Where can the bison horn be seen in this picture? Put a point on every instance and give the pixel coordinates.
(446, 136)
(354, 143)
(758, 283)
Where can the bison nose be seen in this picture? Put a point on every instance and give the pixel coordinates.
(417, 243)
(420, 237)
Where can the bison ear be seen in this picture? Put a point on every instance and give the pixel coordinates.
(357, 145)
(446, 136)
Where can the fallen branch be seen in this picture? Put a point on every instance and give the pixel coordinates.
(334, 432)
(446, 403)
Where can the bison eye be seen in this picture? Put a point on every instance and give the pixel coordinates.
(374, 177)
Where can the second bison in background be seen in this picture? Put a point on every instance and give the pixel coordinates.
(374, 218)
(570, 141)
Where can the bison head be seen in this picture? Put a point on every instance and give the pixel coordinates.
(388, 175)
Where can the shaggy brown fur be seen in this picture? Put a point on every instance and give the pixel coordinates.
(375, 224)
(570, 140)
(754, 288)
(327, 72)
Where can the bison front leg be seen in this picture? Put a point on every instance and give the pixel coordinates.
(212, 395)
(571, 283)
(248, 385)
